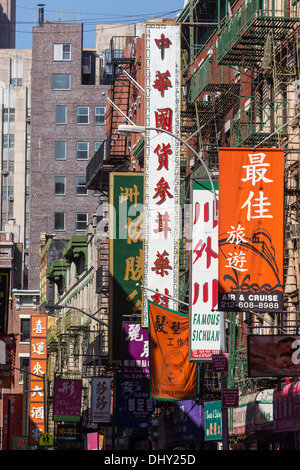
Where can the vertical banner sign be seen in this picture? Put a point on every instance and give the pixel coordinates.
(162, 164)
(100, 400)
(204, 323)
(4, 297)
(126, 253)
(37, 377)
(67, 400)
(172, 375)
(251, 195)
(135, 362)
(7, 360)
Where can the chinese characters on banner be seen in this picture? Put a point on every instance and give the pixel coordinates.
(100, 401)
(251, 195)
(7, 360)
(204, 323)
(12, 419)
(172, 375)
(162, 165)
(4, 297)
(67, 400)
(126, 253)
(135, 362)
(37, 376)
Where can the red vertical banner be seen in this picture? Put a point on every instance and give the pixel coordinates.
(251, 205)
(172, 375)
(37, 378)
(7, 360)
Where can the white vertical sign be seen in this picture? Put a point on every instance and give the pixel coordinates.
(204, 323)
(162, 165)
(100, 400)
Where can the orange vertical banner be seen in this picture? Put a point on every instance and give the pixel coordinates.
(251, 205)
(172, 376)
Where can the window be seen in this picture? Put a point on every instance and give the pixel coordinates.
(12, 115)
(97, 145)
(61, 115)
(60, 185)
(24, 365)
(61, 81)
(8, 141)
(11, 141)
(60, 150)
(99, 115)
(5, 115)
(59, 221)
(25, 330)
(81, 220)
(82, 115)
(80, 186)
(61, 51)
(5, 141)
(82, 151)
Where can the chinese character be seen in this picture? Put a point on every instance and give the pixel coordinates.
(162, 221)
(256, 171)
(161, 264)
(236, 236)
(38, 348)
(134, 265)
(262, 201)
(209, 252)
(38, 327)
(129, 193)
(162, 82)
(161, 189)
(134, 333)
(237, 261)
(163, 119)
(162, 44)
(159, 324)
(160, 298)
(162, 153)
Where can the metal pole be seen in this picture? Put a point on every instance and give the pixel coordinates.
(223, 349)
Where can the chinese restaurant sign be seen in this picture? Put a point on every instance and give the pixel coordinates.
(204, 323)
(12, 422)
(37, 377)
(135, 361)
(4, 297)
(172, 375)
(162, 164)
(67, 400)
(213, 420)
(100, 400)
(251, 198)
(7, 360)
(126, 253)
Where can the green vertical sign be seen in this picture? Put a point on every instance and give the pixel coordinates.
(126, 197)
(213, 421)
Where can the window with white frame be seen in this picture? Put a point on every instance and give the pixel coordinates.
(81, 189)
(81, 220)
(60, 185)
(61, 81)
(61, 114)
(82, 115)
(61, 52)
(82, 151)
(100, 115)
(60, 150)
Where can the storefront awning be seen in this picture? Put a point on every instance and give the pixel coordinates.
(254, 413)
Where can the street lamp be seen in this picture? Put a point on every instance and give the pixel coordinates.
(125, 129)
(60, 307)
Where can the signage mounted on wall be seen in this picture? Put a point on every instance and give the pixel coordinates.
(204, 322)
(162, 164)
(251, 198)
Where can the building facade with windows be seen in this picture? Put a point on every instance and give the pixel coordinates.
(15, 101)
(68, 126)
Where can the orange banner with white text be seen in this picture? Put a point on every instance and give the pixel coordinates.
(172, 375)
(251, 205)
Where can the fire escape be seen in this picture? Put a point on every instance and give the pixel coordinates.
(261, 40)
(113, 154)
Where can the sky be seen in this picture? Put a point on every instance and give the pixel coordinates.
(90, 13)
